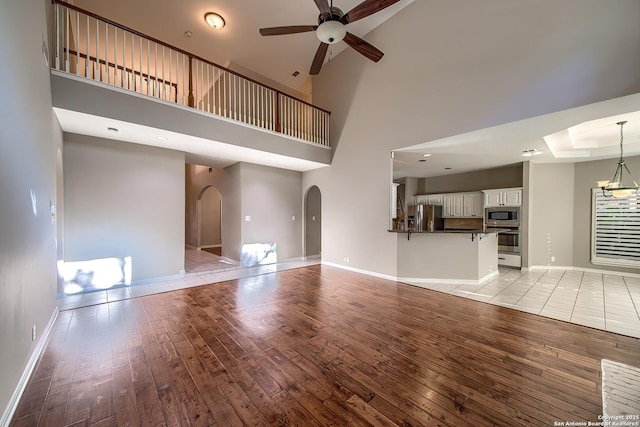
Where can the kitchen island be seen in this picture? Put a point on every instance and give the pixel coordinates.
(447, 256)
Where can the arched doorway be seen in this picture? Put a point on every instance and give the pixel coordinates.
(313, 222)
(209, 213)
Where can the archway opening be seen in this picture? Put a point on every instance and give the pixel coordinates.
(210, 220)
(313, 222)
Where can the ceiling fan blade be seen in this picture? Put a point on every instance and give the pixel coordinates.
(323, 5)
(366, 8)
(363, 47)
(318, 60)
(293, 29)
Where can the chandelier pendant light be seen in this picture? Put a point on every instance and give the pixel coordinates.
(618, 186)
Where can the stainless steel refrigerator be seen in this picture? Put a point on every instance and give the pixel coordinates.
(428, 218)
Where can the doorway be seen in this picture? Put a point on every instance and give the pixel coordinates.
(313, 222)
(209, 213)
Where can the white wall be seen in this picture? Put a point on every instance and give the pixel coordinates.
(551, 207)
(452, 67)
(29, 139)
(272, 197)
(124, 199)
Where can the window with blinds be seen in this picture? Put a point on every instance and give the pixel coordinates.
(615, 236)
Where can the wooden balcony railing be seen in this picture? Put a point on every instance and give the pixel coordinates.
(96, 48)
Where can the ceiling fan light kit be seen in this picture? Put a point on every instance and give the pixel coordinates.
(331, 29)
(331, 32)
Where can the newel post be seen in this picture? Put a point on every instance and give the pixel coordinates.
(190, 99)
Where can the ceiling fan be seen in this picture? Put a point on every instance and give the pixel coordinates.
(331, 29)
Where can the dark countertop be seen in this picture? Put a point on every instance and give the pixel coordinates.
(473, 231)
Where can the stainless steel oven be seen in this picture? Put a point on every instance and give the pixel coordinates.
(507, 219)
(502, 217)
(509, 241)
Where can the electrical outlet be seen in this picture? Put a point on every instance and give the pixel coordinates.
(247, 218)
(33, 333)
(293, 217)
(346, 259)
(553, 259)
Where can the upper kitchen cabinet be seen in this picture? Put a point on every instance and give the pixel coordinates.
(466, 205)
(435, 199)
(472, 205)
(503, 197)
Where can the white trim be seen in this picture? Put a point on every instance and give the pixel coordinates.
(357, 270)
(28, 370)
(586, 270)
(420, 280)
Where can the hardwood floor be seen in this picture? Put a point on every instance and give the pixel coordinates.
(316, 346)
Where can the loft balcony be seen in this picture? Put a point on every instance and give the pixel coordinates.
(101, 69)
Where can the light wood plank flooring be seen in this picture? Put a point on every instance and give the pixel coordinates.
(316, 346)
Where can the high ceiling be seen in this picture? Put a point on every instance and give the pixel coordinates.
(239, 46)
(239, 42)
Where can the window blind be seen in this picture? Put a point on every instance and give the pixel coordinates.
(615, 230)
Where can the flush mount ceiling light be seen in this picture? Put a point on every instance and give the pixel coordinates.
(214, 20)
(618, 187)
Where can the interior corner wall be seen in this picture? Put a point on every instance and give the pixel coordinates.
(124, 199)
(272, 198)
(586, 176)
(551, 212)
(437, 80)
(29, 140)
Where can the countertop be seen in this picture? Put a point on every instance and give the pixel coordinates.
(472, 231)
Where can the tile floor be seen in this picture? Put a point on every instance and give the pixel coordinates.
(600, 301)
(201, 268)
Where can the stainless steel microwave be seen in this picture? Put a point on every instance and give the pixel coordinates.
(502, 216)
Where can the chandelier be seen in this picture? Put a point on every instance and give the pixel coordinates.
(618, 186)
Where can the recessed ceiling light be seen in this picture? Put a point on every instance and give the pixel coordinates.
(531, 152)
(114, 130)
(162, 138)
(427, 155)
(188, 34)
(214, 20)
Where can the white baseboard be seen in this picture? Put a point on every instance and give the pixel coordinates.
(586, 270)
(357, 270)
(28, 370)
(422, 280)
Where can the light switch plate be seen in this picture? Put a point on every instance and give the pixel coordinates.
(247, 218)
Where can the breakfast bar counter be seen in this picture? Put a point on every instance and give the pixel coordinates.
(447, 256)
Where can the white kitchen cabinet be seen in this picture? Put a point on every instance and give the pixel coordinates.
(429, 199)
(463, 205)
(435, 199)
(503, 197)
(472, 205)
(453, 205)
